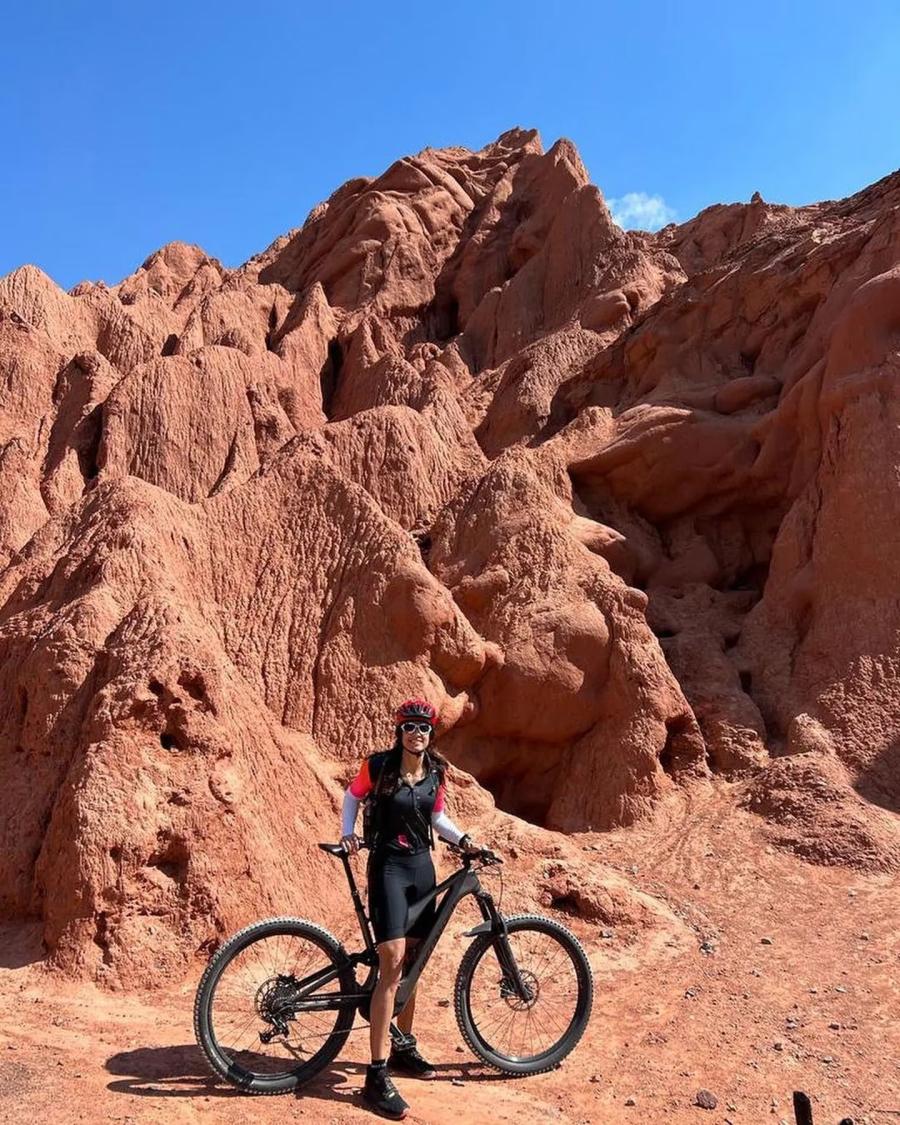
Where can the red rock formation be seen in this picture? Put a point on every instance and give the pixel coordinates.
(624, 506)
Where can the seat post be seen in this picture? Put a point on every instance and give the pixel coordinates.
(357, 900)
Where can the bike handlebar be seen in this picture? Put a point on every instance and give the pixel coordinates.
(484, 854)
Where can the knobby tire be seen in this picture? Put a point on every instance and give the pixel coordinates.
(483, 946)
(249, 1081)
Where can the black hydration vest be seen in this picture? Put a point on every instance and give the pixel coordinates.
(405, 812)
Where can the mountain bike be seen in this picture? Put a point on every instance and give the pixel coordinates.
(278, 1000)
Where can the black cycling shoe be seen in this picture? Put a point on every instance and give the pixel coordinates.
(380, 1094)
(405, 1059)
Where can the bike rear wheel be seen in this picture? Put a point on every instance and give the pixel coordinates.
(516, 1035)
(245, 1015)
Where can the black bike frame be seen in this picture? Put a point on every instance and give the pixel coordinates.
(457, 886)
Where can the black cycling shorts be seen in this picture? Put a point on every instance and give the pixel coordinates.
(395, 883)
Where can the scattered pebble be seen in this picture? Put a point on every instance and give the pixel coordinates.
(596, 1078)
(778, 1045)
(691, 993)
(834, 1026)
(755, 973)
(864, 937)
(631, 1101)
(827, 1059)
(839, 988)
(707, 947)
(457, 1082)
(443, 1003)
(607, 933)
(706, 1099)
(852, 894)
(766, 941)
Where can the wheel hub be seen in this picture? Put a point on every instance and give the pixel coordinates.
(512, 998)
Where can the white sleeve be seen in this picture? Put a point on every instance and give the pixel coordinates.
(445, 827)
(349, 813)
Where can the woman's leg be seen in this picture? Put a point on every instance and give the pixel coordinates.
(424, 883)
(405, 1018)
(390, 961)
(406, 1059)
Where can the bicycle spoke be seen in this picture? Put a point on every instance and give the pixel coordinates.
(522, 1029)
(248, 988)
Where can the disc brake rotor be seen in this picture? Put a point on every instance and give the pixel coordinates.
(512, 998)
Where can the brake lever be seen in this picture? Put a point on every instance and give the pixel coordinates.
(484, 854)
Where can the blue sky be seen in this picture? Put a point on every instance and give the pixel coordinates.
(125, 126)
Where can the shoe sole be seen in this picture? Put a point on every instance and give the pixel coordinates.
(385, 1113)
(399, 1068)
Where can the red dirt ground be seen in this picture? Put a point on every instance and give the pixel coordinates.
(668, 1020)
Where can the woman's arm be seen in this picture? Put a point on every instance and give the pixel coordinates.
(445, 827)
(358, 788)
(349, 813)
(442, 823)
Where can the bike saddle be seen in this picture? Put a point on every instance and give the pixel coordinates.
(332, 849)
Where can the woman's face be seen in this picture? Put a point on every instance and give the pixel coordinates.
(415, 741)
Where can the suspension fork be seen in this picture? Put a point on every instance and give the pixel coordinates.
(494, 925)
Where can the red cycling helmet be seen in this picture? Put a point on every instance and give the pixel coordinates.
(416, 709)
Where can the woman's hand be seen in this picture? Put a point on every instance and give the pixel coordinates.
(351, 843)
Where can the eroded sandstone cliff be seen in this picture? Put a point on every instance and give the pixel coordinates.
(623, 505)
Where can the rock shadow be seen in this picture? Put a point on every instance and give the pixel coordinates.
(21, 943)
(879, 782)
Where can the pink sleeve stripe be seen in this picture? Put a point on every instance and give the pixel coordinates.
(361, 785)
(439, 799)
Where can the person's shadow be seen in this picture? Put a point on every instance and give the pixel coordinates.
(183, 1072)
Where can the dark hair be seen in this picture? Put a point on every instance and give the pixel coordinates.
(391, 767)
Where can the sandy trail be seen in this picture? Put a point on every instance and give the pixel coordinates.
(814, 1007)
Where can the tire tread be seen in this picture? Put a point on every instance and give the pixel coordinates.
(224, 954)
(467, 967)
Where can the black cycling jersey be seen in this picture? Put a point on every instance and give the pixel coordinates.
(401, 820)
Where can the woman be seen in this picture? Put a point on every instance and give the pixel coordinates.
(407, 784)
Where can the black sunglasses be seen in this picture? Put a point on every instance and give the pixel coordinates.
(420, 728)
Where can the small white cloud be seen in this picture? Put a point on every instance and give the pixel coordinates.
(636, 210)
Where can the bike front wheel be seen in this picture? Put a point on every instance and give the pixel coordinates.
(255, 1015)
(524, 1035)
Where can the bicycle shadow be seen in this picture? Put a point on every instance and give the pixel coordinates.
(183, 1072)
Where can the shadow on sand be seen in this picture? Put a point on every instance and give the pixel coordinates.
(879, 781)
(183, 1072)
(21, 943)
